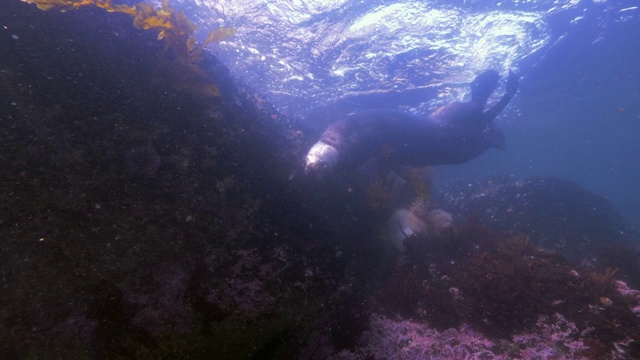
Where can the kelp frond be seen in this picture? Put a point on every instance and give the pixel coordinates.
(515, 246)
(172, 26)
(604, 279)
(421, 181)
(64, 5)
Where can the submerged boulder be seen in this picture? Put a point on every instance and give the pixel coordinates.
(554, 213)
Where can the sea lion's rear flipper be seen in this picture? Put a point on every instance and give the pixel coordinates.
(483, 86)
(510, 91)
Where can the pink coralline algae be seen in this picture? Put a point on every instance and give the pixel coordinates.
(399, 340)
(632, 295)
(553, 337)
(556, 338)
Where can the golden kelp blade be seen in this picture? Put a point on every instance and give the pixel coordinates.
(64, 5)
(147, 17)
(218, 35)
(214, 36)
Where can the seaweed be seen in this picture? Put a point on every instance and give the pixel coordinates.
(603, 280)
(180, 61)
(501, 285)
(421, 180)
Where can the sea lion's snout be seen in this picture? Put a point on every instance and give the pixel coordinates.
(321, 158)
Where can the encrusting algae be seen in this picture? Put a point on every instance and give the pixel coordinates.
(182, 56)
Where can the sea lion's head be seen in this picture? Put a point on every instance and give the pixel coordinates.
(483, 85)
(321, 158)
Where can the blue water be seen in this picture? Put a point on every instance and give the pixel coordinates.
(577, 114)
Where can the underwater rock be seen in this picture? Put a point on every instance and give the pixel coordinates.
(165, 308)
(439, 220)
(142, 162)
(408, 222)
(389, 339)
(553, 337)
(554, 213)
(404, 223)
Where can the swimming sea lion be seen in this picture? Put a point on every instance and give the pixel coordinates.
(453, 134)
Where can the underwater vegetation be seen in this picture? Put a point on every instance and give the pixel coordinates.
(507, 290)
(180, 62)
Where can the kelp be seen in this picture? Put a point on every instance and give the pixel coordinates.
(182, 56)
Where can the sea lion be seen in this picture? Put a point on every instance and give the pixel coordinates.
(453, 134)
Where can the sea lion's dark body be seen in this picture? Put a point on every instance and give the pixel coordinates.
(454, 134)
(402, 139)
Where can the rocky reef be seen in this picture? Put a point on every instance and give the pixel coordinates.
(139, 220)
(556, 214)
